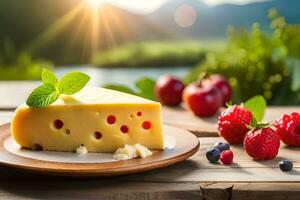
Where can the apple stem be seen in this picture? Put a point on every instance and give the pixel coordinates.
(201, 77)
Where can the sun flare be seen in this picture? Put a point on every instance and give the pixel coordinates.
(95, 3)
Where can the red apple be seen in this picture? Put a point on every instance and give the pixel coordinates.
(168, 90)
(203, 98)
(223, 85)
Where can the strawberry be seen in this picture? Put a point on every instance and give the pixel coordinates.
(232, 124)
(262, 142)
(288, 127)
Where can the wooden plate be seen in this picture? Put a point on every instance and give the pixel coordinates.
(186, 145)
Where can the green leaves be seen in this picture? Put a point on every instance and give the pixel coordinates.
(120, 88)
(255, 125)
(257, 106)
(42, 96)
(72, 82)
(49, 77)
(293, 65)
(144, 88)
(51, 88)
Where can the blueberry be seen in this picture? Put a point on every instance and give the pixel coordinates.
(222, 146)
(285, 165)
(213, 155)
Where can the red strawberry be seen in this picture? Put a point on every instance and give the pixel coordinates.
(262, 143)
(226, 157)
(288, 127)
(232, 124)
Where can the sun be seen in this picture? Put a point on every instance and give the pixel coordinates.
(95, 3)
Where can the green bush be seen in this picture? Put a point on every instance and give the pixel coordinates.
(19, 65)
(259, 64)
(151, 54)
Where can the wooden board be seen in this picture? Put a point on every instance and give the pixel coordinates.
(5, 116)
(207, 127)
(244, 169)
(14, 93)
(197, 169)
(186, 145)
(247, 179)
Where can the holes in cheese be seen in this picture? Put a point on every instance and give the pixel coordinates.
(124, 129)
(111, 119)
(58, 124)
(37, 126)
(37, 147)
(67, 131)
(146, 125)
(139, 114)
(97, 135)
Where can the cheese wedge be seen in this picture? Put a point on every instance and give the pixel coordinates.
(102, 120)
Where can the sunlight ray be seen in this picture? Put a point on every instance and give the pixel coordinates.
(54, 30)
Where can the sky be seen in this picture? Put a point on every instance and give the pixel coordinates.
(147, 6)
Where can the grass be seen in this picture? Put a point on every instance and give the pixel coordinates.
(154, 54)
(19, 65)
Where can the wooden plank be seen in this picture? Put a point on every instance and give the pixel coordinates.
(207, 127)
(96, 189)
(14, 93)
(240, 191)
(5, 116)
(198, 169)
(244, 169)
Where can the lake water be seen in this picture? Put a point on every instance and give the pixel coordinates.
(100, 76)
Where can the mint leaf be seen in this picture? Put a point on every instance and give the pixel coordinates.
(257, 106)
(42, 96)
(72, 82)
(146, 88)
(50, 90)
(49, 77)
(120, 88)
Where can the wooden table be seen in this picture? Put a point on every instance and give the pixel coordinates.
(194, 178)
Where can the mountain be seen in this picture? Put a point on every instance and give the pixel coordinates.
(60, 31)
(212, 21)
(67, 31)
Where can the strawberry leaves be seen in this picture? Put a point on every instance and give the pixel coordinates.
(257, 106)
(255, 125)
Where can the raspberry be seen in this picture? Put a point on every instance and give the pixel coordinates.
(262, 144)
(288, 127)
(232, 124)
(226, 157)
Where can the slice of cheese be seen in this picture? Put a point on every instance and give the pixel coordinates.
(100, 119)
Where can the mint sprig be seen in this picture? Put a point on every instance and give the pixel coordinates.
(51, 88)
(49, 77)
(257, 106)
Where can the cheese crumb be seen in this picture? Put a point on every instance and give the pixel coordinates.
(81, 150)
(131, 152)
(142, 151)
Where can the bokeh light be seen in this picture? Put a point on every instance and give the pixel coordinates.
(185, 16)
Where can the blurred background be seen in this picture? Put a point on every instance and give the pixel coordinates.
(127, 44)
